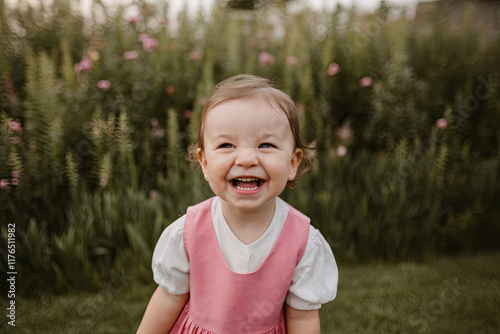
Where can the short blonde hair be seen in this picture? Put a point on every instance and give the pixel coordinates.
(245, 87)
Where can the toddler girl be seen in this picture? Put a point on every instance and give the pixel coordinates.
(244, 261)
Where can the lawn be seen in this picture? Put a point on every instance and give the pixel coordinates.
(446, 295)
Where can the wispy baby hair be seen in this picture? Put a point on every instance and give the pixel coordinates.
(246, 87)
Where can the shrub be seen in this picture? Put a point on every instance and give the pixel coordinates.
(96, 115)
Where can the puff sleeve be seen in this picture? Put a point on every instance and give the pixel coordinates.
(316, 276)
(170, 263)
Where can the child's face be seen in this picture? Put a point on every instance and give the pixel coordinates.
(249, 154)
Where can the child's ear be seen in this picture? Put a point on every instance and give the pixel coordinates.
(203, 162)
(294, 163)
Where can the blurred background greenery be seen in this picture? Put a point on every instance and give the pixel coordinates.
(97, 112)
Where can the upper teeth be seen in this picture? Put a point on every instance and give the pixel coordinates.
(246, 179)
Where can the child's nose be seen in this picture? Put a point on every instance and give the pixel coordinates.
(246, 157)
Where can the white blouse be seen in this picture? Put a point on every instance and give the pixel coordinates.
(314, 281)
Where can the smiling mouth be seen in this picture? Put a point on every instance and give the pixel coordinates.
(246, 183)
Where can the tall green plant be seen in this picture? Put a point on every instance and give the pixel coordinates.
(95, 124)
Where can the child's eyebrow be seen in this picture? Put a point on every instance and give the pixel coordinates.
(221, 136)
(267, 135)
(259, 136)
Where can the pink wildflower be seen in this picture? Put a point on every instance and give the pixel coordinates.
(292, 60)
(170, 89)
(103, 180)
(149, 44)
(344, 133)
(142, 37)
(341, 151)
(4, 184)
(84, 65)
(153, 194)
(366, 82)
(14, 181)
(195, 54)
(333, 69)
(104, 84)
(130, 55)
(133, 19)
(265, 58)
(158, 133)
(154, 122)
(14, 174)
(441, 123)
(188, 113)
(15, 125)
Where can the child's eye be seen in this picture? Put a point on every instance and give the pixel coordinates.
(266, 145)
(225, 145)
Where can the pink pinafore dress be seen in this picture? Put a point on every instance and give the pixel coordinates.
(224, 302)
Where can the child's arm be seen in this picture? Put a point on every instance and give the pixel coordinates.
(302, 322)
(162, 312)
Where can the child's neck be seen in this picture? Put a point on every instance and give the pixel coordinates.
(248, 225)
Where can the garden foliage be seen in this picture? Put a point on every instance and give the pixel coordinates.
(97, 113)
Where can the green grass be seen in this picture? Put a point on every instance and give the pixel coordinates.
(459, 295)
